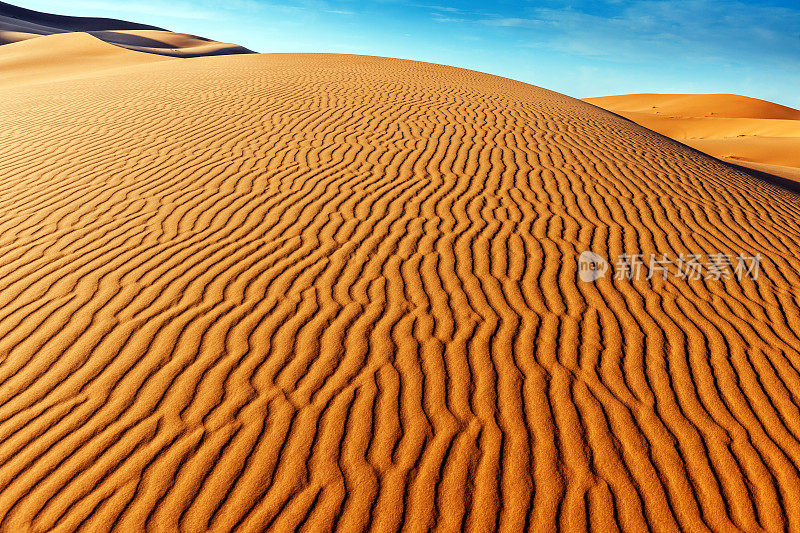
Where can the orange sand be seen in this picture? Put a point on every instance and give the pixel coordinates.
(698, 105)
(731, 127)
(314, 292)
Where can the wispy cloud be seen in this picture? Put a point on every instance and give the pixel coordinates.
(645, 29)
(513, 22)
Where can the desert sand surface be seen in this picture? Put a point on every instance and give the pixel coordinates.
(790, 173)
(20, 24)
(780, 151)
(727, 126)
(697, 105)
(317, 292)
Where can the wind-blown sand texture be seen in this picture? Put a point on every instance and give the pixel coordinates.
(315, 292)
(742, 130)
(20, 24)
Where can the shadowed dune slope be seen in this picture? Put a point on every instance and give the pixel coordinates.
(735, 128)
(13, 36)
(313, 292)
(43, 23)
(20, 24)
(169, 43)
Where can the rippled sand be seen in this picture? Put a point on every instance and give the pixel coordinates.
(336, 292)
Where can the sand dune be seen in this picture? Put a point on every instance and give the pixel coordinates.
(169, 43)
(697, 105)
(790, 173)
(313, 292)
(19, 24)
(46, 23)
(7, 37)
(63, 56)
(783, 151)
(715, 128)
(730, 127)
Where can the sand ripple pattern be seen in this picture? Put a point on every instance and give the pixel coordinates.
(319, 292)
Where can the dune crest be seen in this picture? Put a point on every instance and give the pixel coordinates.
(313, 292)
(746, 131)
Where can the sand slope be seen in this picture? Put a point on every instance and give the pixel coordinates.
(45, 23)
(63, 56)
(697, 105)
(169, 43)
(314, 292)
(20, 24)
(736, 128)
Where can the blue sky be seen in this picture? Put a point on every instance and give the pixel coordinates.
(578, 48)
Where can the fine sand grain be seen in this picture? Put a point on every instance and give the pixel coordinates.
(315, 292)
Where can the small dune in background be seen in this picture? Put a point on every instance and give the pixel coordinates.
(313, 292)
(63, 56)
(20, 24)
(746, 131)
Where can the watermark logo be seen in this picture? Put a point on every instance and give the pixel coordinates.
(690, 267)
(591, 266)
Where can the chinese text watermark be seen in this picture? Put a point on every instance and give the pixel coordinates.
(691, 267)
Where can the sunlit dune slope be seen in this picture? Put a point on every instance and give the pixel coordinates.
(315, 292)
(63, 56)
(736, 128)
(716, 128)
(20, 24)
(697, 105)
(783, 151)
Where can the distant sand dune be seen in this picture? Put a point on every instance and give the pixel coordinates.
(783, 151)
(728, 126)
(716, 128)
(20, 24)
(44, 23)
(63, 56)
(7, 37)
(698, 105)
(168, 43)
(313, 292)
